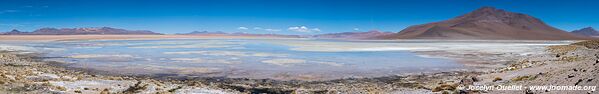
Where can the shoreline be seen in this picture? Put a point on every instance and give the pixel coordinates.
(48, 38)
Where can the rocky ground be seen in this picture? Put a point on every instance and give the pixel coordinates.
(564, 65)
(574, 64)
(24, 73)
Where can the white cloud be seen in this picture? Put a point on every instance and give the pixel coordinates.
(267, 29)
(316, 29)
(356, 29)
(242, 28)
(272, 30)
(303, 29)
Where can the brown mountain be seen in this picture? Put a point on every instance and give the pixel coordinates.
(353, 35)
(588, 31)
(84, 31)
(486, 23)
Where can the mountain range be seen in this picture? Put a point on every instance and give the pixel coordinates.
(353, 35)
(239, 34)
(486, 23)
(202, 32)
(588, 31)
(82, 31)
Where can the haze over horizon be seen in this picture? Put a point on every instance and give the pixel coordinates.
(272, 16)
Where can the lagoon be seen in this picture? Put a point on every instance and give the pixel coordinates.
(283, 59)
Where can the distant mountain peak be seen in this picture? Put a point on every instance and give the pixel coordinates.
(487, 10)
(14, 30)
(587, 31)
(588, 28)
(491, 14)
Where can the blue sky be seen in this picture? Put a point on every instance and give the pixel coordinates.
(275, 16)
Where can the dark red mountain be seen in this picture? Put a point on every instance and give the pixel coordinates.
(486, 23)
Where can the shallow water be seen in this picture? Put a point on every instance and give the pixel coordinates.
(302, 59)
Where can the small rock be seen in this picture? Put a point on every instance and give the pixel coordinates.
(578, 82)
(497, 79)
(469, 80)
(61, 88)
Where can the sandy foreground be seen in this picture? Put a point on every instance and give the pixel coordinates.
(575, 64)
